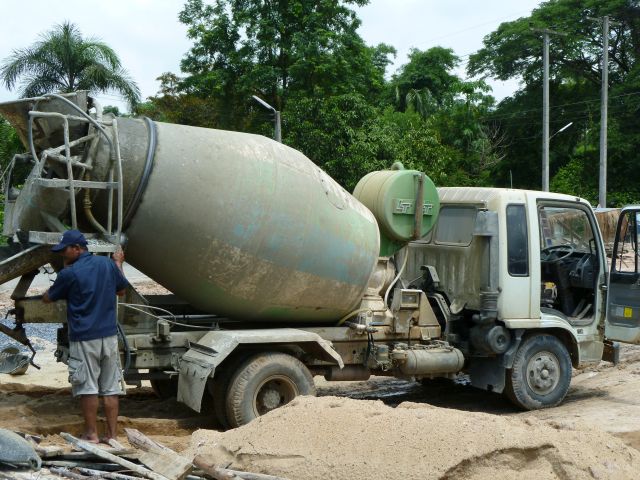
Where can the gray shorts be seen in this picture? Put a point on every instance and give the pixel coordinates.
(94, 367)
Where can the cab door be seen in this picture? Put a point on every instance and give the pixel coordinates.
(623, 298)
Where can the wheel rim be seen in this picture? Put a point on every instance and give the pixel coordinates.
(275, 391)
(543, 372)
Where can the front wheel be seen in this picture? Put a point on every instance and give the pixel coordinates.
(263, 383)
(541, 373)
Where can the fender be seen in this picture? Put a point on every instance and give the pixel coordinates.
(199, 363)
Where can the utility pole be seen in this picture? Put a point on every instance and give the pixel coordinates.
(545, 104)
(277, 128)
(604, 105)
(545, 114)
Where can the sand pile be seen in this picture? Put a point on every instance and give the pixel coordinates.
(340, 438)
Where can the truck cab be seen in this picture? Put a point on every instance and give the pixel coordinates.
(519, 281)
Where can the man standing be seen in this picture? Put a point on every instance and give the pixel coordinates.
(90, 283)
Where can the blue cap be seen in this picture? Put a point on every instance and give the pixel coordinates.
(70, 237)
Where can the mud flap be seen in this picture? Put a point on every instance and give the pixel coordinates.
(487, 374)
(192, 382)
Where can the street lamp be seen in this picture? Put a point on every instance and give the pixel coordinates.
(545, 164)
(561, 130)
(277, 135)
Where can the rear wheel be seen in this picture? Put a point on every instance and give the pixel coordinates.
(541, 373)
(263, 383)
(218, 388)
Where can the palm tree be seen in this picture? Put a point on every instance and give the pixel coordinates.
(63, 61)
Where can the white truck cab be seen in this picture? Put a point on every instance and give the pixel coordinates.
(519, 281)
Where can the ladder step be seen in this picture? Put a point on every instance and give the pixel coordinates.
(94, 244)
(63, 183)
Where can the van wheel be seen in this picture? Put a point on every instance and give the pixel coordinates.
(263, 383)
(541, 373)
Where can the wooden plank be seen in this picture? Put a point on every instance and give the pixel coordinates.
(159, 458)
(107, 467)
(112, 458)
(172, 466)
(109, 475)
(71, 456)
(220, 473)
(121, 476)
(48, 452)
(65, 472)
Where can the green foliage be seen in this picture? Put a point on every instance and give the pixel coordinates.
(348, 137)
(114, 110)
(63, 61)
(426, 78)
(9, 143)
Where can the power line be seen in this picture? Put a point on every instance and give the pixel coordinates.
(521, 112)
(473, 27)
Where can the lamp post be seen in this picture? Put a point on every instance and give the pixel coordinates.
(277, 135)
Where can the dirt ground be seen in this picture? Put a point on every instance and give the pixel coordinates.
(381, 428)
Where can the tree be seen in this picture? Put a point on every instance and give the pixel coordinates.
(278, 51)
(426, 76)
(63, 61)
(453, 108)
(9, 143)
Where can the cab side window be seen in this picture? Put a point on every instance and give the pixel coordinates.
(517, 241)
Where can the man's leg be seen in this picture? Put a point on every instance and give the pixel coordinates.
(109, 381)
(89, 405)
(111, 404)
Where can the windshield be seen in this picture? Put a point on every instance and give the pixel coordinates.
(565, 226)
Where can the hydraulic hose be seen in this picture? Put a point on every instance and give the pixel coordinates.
(404, 264)
(127, 349)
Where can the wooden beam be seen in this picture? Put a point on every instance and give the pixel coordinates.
(220, 473)
(159, 458)
(112, 458)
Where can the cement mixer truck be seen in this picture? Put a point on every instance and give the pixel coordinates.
(277, 274)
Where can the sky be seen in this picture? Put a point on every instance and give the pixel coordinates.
(149, 39)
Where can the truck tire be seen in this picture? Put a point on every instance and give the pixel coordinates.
(218, 388)
(541, 373)
(263, 383)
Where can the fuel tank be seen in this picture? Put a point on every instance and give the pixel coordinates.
(233, 223)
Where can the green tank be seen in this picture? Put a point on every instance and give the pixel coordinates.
(392, 196)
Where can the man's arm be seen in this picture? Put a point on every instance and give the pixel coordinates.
(118, 259)
(60, 287)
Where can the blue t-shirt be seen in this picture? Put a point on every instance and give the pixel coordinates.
(89, 286)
